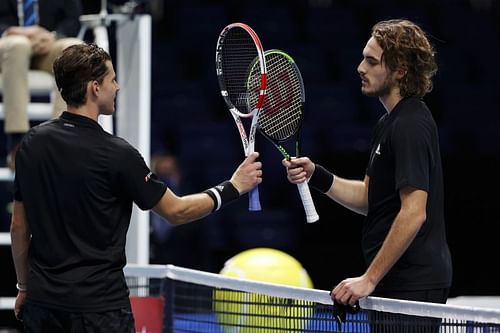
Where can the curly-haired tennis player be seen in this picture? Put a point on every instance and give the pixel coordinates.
(403, 235)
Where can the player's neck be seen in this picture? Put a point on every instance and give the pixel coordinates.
(390, 100)
(85, 111)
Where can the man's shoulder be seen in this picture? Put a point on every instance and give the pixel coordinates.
(413, 121)
(413, 111)
(42, 128)
(119, 142)
(121, 147)
(413, 106)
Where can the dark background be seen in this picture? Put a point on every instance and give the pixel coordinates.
(191, 124)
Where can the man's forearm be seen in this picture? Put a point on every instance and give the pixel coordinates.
(20, 242)
(404, 229)
(352, 194)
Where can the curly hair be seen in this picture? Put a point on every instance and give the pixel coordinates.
(78, 65)
(405, 46)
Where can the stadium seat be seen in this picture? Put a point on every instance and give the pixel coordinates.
(39, 109)
(40, 85)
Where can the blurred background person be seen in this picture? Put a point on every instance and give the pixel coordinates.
(33, 34)
(164, 165)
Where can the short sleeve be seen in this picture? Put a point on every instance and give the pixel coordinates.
(410, 141)
(137, 180)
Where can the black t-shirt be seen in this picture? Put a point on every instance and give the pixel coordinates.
(77, 183)
(405, 152)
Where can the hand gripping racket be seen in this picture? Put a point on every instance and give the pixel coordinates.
(283, 112)
(238, 51)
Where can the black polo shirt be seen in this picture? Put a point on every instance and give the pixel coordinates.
(78, 183)
(405, 152)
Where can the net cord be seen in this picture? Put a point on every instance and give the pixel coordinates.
(457, 312)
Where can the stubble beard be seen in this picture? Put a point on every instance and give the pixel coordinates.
(383, 90)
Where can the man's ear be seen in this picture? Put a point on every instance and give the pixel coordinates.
(401, 72)
(94, 86)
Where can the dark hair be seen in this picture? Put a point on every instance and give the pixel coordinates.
(405, 46)
(76, 67)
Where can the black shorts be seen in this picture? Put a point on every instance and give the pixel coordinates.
(40, 319)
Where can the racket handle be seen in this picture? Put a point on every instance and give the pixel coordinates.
(254, 200)
(307, 201)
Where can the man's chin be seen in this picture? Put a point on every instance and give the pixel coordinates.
(108, 113)
(368, 93)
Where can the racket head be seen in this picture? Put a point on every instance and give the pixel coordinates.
(282, 113)
(238, 53)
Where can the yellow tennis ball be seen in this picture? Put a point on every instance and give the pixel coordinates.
(240, 312)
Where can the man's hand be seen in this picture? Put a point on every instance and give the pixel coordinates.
(19, 305)
(41, 39)
(299, 170)
(248, 174)
(349, 291)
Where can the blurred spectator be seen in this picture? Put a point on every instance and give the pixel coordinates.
(165, 166)
(181, 245)
(33, 34)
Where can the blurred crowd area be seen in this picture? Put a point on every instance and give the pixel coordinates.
(195, 144)
(326, 39)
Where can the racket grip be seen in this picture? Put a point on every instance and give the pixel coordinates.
(254, 200)
(307, 201)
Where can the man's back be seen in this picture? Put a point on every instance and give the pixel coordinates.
(69, 181)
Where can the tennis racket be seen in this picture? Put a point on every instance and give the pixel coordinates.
(238, 51)
(283, 113)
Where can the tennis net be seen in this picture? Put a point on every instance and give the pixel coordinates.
(196, 301)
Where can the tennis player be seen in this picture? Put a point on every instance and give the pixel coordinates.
(403, 234)
(74, 188)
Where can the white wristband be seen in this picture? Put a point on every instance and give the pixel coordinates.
(21, 287)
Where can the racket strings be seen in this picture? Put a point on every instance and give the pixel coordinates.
(239, 57)
(281, 114)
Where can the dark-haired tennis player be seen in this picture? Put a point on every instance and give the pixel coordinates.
(403, 234)
(74, 188)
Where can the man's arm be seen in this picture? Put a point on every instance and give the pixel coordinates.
(352, 194)
(181, 210)
(20, 240)
(407, 223)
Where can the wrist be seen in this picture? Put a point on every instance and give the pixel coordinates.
(321, 179)
(222, 194)
(21, 287)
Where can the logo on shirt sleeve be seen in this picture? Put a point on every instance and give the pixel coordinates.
(148, 177)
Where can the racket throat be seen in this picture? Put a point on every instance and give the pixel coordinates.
(284, 152)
